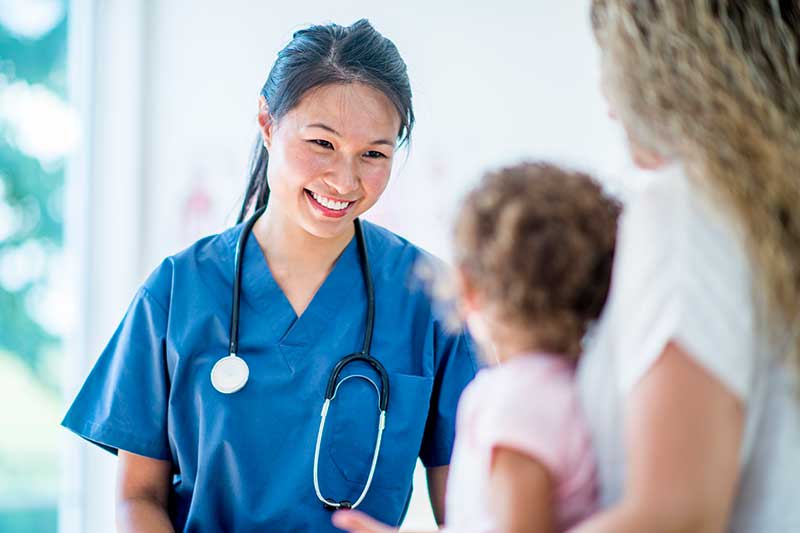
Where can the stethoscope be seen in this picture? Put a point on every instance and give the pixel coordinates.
(230, 373)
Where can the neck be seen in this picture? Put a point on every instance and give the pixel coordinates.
(505, 351)
(508, 342)
(288, 247)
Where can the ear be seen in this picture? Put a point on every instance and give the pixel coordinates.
(470, 298)
(643, 156)
(647, 159)
(265, 121)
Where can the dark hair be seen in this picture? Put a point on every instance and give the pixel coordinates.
(324, 55)
(537, 242)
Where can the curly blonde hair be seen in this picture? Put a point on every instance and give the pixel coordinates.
(537, 243)
(715, 84)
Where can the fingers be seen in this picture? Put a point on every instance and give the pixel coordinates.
(358, 522)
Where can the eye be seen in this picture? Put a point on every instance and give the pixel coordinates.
(322, 142)
(374, 154)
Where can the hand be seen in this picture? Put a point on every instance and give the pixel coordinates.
(358, 522)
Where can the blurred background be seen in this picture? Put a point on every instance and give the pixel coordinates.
(125, 128)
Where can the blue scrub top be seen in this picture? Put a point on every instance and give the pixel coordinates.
(243, 462)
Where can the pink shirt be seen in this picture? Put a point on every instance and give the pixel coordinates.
(528, 404)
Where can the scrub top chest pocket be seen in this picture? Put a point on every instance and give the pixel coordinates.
(353, 421)
(151, 391)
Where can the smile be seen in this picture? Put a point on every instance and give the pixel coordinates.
(329, 206)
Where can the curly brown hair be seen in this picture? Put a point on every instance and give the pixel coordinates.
(537, 243)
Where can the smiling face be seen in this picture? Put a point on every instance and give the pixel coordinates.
(330, 157)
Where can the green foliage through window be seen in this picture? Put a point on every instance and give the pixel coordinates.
(30, 194)
(33, 147)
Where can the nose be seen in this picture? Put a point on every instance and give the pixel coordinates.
(344, 178)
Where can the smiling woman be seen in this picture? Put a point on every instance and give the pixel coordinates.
(330, 157)
(199, 456)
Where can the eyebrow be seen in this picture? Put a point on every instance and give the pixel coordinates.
(328, 128)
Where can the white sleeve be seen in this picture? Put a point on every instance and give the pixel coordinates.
(681, 274)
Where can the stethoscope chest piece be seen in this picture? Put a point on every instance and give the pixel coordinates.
(229, 374)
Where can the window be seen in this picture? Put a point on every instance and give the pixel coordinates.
(37, 131)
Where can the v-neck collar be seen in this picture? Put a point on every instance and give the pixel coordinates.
(264, 295)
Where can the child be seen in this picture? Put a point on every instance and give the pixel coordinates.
(534, 249)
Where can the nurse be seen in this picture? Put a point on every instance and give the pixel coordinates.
(244, 451)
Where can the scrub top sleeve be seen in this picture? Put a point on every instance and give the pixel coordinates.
(123, 403)
(456, 365)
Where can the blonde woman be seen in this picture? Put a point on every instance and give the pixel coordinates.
(691, 387)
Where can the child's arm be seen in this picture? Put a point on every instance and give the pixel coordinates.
(358, 522)
(522, 493)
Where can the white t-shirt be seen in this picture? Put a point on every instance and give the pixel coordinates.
(682, 273)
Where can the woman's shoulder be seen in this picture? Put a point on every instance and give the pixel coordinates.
(671, 209)
(395, 255)
(681, 273)
(656, 212)
(208, 258)
(387, 242)
(673, 231)
(405, 272)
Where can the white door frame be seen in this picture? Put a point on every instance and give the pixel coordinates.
(102, 223)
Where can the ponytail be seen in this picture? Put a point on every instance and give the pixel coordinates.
(257, 186)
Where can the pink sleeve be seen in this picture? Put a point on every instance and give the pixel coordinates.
(532, 417)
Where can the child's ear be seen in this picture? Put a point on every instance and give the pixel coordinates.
(470, 298)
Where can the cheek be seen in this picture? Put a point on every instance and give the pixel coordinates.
(375, 178)
(299, 165)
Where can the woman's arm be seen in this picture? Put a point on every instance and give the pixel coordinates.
(521, 492)
(437, 487)
(142, 494)
(683, 438)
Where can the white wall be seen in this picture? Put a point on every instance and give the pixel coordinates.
(174, 117)
(492, 83)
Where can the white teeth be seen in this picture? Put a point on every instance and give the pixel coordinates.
(330, 204)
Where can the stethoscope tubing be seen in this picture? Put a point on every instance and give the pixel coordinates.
(333, 381)
(233, 347)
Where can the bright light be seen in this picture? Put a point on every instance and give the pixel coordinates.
(41, 124)
(22, 265)
(9, 223)
(52, 303)
(30, 19)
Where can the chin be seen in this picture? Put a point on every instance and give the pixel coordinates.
(325, 230)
